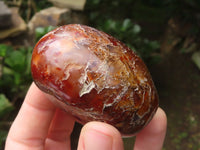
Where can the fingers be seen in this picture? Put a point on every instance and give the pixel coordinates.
(99, 136)
(153, 135)
(59, 132)
(31, 125)
(35, 121)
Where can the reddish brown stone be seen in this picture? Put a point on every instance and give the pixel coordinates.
(94, 76)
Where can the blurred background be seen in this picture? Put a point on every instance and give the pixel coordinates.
(164, 33)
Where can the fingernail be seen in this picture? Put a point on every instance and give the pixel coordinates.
(96, 140)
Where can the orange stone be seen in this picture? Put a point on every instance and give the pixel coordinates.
(93, 76)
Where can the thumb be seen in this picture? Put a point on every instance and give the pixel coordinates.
(100, 136)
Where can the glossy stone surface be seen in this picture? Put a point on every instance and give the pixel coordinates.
(94, 76)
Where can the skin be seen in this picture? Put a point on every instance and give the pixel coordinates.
(39, 125)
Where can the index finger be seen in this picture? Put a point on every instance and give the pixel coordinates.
(153, 135)
(30, 128)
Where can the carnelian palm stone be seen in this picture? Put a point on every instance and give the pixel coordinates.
(93, 76)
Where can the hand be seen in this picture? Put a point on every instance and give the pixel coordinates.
(39, 125)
